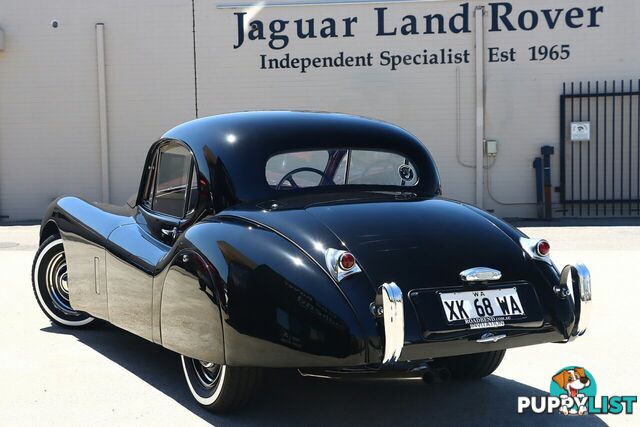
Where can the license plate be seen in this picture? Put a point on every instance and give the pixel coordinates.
(482, 309)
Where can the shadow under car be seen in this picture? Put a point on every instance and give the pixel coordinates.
(286, 398)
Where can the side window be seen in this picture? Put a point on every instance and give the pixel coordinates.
(172, 180)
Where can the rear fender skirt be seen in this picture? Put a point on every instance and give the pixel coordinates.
(190, 321)
(279, 308)
(313, 239)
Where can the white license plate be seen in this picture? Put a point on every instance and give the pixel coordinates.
(482, 309)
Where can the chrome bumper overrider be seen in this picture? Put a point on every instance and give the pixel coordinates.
(389, 299)
(580, 287)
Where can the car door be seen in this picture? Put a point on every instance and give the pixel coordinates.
(138, 251)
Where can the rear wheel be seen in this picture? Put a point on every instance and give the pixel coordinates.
(472, 366)
(49, 279)
(220, 388)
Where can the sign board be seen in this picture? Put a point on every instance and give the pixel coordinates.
(580, 131)
(285, 39)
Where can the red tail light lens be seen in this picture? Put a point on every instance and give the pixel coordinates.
(347, 261)
(340, 263)
(543, 248)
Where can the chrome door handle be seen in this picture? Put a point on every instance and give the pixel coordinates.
(170, 232)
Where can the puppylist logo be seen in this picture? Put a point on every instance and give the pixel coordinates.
(573, 392)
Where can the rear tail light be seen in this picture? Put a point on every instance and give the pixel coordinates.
(341, 264)
(347, 261)
(537, 249)
(543, 248)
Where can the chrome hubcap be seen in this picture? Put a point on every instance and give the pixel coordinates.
(57, 284)
(207, 373)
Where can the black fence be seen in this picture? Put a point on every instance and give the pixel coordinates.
(600, 148)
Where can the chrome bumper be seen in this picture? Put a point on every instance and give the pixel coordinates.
(580, 287)
(389, 307)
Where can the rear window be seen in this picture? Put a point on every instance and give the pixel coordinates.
(304, 169)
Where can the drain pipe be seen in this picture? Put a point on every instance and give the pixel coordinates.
(2, 49)
(479, 106)
(102, 108)
(537, 165)
(547, 151)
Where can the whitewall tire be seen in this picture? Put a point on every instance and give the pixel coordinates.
(50, 285)
(219, 388)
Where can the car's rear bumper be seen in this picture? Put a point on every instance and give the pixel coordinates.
(389, 300)
(577, 279)
(575, 284)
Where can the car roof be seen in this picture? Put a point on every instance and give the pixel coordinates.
(234, 147)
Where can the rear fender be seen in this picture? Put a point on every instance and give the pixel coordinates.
(84, 229)
(279, 307)
(190, 322)
(559, 311)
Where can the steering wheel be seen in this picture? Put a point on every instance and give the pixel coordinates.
(288, 177)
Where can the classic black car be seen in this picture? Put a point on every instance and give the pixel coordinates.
(303, 240)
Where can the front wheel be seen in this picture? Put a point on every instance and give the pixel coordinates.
(49, 278)
(472, 366)
(220, 388)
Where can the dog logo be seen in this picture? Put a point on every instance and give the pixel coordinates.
(575, 385)
(573, 392)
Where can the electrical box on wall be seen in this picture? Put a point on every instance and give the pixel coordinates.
(1, 39)
(491, 147)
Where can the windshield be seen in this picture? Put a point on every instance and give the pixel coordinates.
(304, 169)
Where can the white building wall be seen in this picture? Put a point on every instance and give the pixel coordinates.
(49, 125)
(49, 129)
(522, 104)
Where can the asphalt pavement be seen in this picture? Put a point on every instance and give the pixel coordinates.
(105, 376)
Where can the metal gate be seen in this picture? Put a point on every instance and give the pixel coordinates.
(600, 148)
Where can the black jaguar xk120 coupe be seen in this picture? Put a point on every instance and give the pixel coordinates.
(303, 240)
